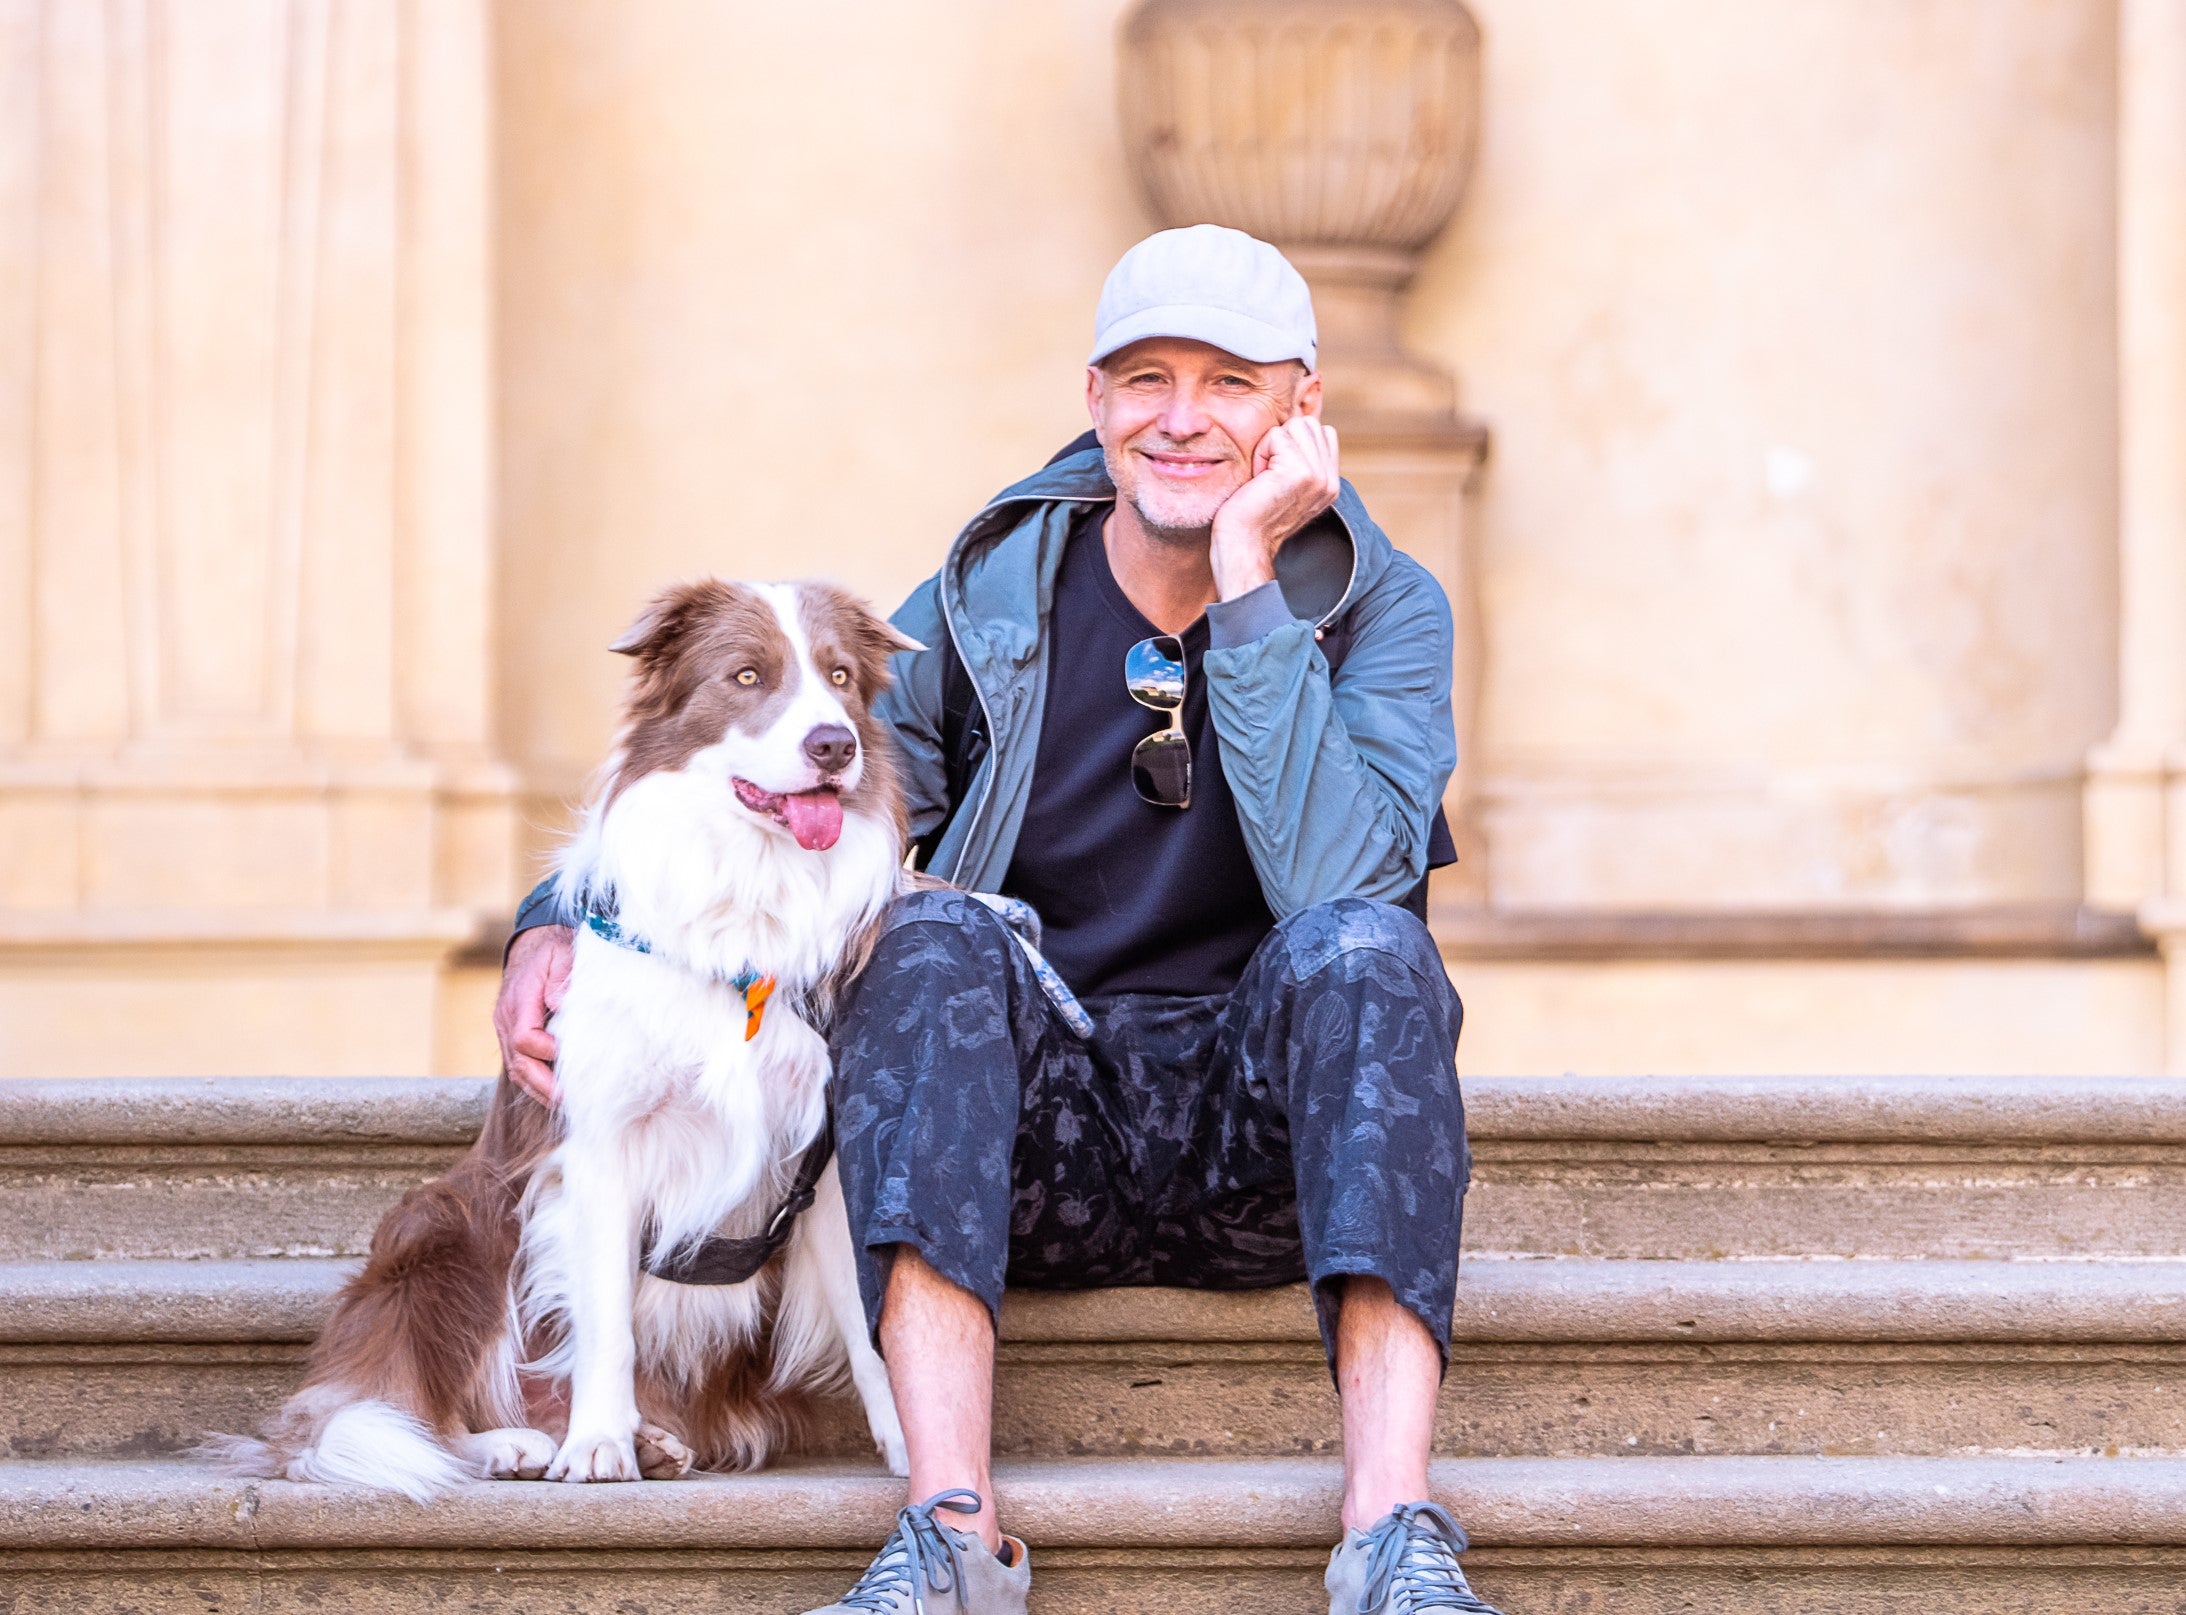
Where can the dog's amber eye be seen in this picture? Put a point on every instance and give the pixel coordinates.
(748, 676)
(841, 675)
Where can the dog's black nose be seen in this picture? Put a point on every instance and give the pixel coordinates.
(831, 748)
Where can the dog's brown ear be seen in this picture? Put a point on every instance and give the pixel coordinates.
(877, 631)
(664, 618)
(649, 627)
(868, 629)
(878, 640)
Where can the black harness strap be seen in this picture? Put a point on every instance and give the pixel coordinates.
(735, 1261)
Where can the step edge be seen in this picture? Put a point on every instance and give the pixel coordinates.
(1574, 1300)
(83, 1112)
(1573, 1503)
(1966, 1111)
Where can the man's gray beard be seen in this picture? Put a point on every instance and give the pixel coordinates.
(1176, 538)
(1167, 536)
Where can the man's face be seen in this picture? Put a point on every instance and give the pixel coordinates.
(1179, 420)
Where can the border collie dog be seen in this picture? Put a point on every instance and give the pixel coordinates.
(728, 878)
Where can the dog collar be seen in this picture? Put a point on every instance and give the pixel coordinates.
(756, 988)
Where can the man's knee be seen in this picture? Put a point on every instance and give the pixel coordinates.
(944, 908)
(1378, 959)
(1325, 935)
(936, 988)
(932, 937)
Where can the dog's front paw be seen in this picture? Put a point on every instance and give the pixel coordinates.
(662, 1454)
(583, 1458)
(511, 1454)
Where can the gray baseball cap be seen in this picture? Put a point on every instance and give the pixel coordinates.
(1212, 285)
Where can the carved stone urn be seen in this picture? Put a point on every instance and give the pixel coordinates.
(1340, 130)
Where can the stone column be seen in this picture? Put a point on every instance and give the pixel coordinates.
(1342, 131)
(2136, 786)
(244, 544)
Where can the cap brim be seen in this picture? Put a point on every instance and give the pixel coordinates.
(1253, 340)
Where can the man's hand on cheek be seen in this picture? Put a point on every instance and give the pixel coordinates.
(1294, 479)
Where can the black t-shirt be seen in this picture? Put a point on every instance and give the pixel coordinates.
(1134, 897)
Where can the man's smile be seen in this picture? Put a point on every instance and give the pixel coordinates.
(1183, 467)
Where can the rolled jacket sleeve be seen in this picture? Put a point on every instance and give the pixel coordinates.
(1337, 778)
(542, 905)
(1252, 616)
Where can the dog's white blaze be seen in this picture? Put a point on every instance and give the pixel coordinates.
(816, 703)
(774, 759)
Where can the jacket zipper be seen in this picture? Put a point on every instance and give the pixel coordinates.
(956, 643)
(994, 737)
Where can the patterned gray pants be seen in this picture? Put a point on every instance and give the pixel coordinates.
(1306, 1125)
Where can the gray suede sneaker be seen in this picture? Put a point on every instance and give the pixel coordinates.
(1406, 1564)
(924, 1568)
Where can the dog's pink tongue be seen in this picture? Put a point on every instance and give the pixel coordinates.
(815, 818)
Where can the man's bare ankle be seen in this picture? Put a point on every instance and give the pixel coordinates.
(982, 1525)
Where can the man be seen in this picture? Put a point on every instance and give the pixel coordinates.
(1255, 1081)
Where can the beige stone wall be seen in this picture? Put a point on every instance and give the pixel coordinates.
(247, 783)
(1795, 328)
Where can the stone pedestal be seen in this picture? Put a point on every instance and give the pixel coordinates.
(1342, 131)
(244, 565)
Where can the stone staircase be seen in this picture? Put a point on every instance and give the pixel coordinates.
(1743, 1346)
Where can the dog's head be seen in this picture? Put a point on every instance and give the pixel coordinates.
(767, 688)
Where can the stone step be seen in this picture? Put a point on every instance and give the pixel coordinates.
(1642, 1536)
(1562, 1358)
(1656, 1168)
(219, 1167)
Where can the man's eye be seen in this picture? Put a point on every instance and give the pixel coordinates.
(841, 675)
(748, 676)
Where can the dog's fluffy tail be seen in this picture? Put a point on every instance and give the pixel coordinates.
(367, 1443)
(246, 1456)
(377, 1444)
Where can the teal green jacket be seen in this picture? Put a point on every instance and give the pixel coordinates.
(1336, 777)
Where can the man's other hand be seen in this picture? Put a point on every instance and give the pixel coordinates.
(1294, 479)
(532, 983)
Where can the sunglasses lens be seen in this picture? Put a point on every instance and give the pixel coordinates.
(1161, 769)
(1153, 670)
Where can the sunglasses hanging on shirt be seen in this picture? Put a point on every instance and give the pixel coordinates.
(1161, 764)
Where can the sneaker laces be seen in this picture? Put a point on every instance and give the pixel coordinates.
(1411, 1555)
(919, 1556)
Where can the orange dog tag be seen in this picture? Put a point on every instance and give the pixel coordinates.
(755, 1004)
